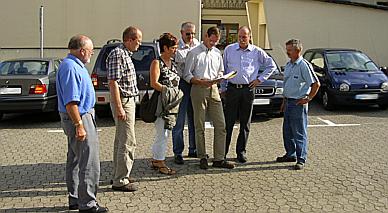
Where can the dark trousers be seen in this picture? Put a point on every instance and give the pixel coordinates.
(238, 105)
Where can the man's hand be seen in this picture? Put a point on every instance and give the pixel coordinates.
(254, 83)
(80, 133)
(302, 101)
(206, 83)
(121, 115)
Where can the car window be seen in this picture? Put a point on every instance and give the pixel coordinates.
(350, 61)
(24, 68)
(308, 55)
(141, 59)
(56, 65)
(317, 60)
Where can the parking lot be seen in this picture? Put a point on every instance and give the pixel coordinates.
(347, 169)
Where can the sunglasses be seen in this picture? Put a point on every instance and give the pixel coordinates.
(189, 34)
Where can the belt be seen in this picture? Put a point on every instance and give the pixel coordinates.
(238, 86)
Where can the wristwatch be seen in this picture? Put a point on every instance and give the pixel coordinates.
(307, 97)
(78, 123)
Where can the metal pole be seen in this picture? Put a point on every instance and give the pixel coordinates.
(41, 30)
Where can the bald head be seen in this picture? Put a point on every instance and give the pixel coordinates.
(81, 47)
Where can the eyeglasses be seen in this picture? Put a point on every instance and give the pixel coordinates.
(189, 34)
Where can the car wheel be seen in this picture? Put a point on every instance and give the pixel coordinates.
(327, 101)
(383, 106)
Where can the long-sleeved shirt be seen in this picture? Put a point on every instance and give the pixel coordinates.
(203, 63)
(181, 53)
(247, 62)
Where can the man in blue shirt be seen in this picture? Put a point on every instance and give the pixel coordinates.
(76, 99)
(300, 86)
(246, 59)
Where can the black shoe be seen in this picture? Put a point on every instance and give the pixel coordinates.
(242, 158)
(285, 158)
(299, 166)
(223, 164)
(192, 155)
(126, 188)
(203, 164)
(178, 159)
(95, 209)
(73, 207)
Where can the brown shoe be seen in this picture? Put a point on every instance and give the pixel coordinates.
(126, 188)
(223, 164)
(130, 179)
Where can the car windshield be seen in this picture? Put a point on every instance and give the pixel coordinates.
(142, 58)
(24, 68)
(350, 61)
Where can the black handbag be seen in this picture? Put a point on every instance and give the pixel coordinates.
(148, 107)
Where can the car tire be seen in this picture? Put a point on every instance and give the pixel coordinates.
(383, 106)
(327, 101)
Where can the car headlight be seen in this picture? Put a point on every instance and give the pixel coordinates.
(344, 87)
(384, 86)
(279, 91)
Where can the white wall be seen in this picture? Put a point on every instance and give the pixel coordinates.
(320, 24)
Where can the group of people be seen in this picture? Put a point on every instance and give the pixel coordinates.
(186, 76)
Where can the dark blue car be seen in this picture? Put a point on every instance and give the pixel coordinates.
(348, 77)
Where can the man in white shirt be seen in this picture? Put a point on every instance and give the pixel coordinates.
(186, 43)
(203, 66)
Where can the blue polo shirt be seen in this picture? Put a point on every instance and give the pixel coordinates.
(298, 77)
(74, 84)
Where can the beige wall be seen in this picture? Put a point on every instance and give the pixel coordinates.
(100, 19)
(320, 24)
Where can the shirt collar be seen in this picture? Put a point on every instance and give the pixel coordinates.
(183, 45)
(298, 60)
(122, 46)
(250, 47)
(205, 48)
(74, 58)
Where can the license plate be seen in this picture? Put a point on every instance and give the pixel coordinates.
(366, 96)
(261, 102)
(10, 91)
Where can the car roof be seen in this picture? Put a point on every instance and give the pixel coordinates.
(34, 59)
(332, 50)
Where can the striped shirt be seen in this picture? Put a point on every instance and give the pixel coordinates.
(298, 77)
(121, 69)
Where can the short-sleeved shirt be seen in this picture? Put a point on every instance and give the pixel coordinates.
(298, 77)
(203, 63)
(121, 69)
(181, 53)
(73, 84)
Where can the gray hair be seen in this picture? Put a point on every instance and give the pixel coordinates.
(130, 33)
(77, 42)
(187, 25)
(295, 43)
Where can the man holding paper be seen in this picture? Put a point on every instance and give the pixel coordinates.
(203, 69)
(246, 59)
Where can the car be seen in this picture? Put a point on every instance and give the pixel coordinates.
(142, 59)
(348, 77)
(269, 94)
(28, 85)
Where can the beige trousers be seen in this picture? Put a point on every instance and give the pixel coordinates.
(125, 143)
(208, 100)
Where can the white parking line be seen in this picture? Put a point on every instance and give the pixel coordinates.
(61, 131)
(329, 123)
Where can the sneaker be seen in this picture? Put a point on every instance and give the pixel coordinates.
(126, 188)
(203, 164)
(285, 158)
(192, 155)
(299, 166)
(178, 159)
(223, 164)
(95, 209)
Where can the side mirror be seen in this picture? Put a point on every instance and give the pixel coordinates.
(384, 69)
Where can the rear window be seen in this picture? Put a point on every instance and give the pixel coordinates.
(24, 68)
(141, 59)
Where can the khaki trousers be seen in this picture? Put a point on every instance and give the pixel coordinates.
(208, 100)
(125, 143)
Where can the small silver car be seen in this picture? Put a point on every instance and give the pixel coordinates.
(28, 85)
